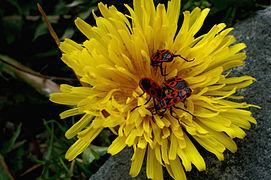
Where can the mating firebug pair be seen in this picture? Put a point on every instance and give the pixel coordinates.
(178, 89)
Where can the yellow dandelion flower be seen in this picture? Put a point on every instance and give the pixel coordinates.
(117, 55)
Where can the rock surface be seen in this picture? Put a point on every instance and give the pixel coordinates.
(253, 158)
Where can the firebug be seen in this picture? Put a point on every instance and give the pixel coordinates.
(177, 84)
(152, 88)
(172, 99)
(164, 56)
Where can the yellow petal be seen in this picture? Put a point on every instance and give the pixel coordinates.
(211, 145)
(86, 29)
(173, 10)
(150, 163)
(98, 122)
(156, 132)
(69, 46)
(166, 133)
(197, 19)
(137, 161)
(173, 147)
(117, 145)
(223, 139)
(113, 121)
(186, 160)
(158, 154)
(77, 148)
(78, 126)
(164, 150)
(85, 138)
(177, 169)
(159, 122)
(194, 155)
(66, 98)
(128, 128)
(158, 170)
(70, 112)
(146, 125)
(142, 143)
(131, 138)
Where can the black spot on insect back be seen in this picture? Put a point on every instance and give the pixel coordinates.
(153, 92)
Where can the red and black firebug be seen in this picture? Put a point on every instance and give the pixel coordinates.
(164, 56)
(172, 99)
(177, 84)
(177, 91)
(152, 88)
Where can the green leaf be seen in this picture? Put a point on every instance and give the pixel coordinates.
(88, 156)
(51, 139)
(101, 151)
(45, 170)
(61, 8)
(35, 159)
(4, 173)
(62, 128)
(93, 153)
(75, 3)
(65, 167)
(2, 66)
(263, 6)
(187, 5)
(68, 33)
(15, 159)
(9, 145)
(85, 14)
(41, 30)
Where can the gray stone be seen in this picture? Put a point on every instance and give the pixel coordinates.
(117, 168)
(253, 158)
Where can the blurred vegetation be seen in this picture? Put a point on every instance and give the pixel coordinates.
(33, 143)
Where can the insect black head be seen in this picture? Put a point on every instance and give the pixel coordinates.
(145, 83)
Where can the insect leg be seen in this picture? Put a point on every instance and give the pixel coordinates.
(162, 113)
(184, 110)
(171, 113)
(148, 101)
(161, 69)
(155, 106)
(134, 108)
(142, 94)
(165, 73)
